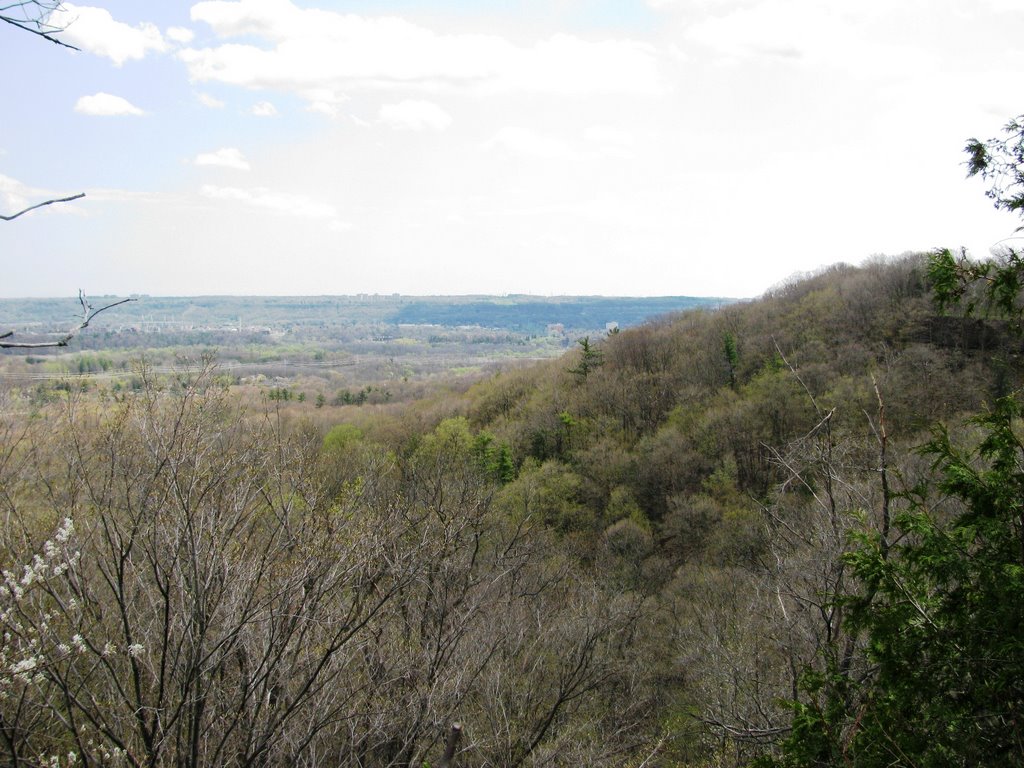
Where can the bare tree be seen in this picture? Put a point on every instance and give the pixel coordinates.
(229, 608)
(88, 313)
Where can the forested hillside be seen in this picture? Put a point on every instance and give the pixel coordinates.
(383, 531)
(787, 532)
(639, 553)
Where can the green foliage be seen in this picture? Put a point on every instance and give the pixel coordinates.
(341, 439)
(1000, 162)
(450, 440)
(622, 505)
(280, 394)
(550, 493)
(590, 358)
(732, 356)
(93, 363)
(494, 458)
(996, 284)
(938, 606)
(941, 612)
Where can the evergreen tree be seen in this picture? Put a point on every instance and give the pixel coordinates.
(940, 605)
(943, 616)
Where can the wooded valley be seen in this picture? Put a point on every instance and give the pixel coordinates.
(478, 532)
(708, 540)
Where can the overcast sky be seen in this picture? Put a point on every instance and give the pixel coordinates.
(617, 147)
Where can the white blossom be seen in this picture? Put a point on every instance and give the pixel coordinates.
(25, 665)
(64, 532)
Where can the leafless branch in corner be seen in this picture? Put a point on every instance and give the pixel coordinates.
(13, 216)
(32, 17)
(88, 313)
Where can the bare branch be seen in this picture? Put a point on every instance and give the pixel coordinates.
(449, 750)
(88, 313)
(800, 381)
(883, 467)
(45, 35)
(747, 734)
(12, 217)
(33, 19)
(654, 752)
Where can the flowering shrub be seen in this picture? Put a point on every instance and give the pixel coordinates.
(38, 604)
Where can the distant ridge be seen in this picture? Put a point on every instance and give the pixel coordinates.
(522, 313)
(533, 313)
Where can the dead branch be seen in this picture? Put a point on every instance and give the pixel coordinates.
(743, 733)
(654, 752)
(12, 217)
(33, 20)
(88, 313)
(800, 381)
(453, 742)
(883, 467)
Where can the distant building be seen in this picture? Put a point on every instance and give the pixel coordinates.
(611, 327)
(556, 329)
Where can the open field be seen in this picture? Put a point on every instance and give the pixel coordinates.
(326, 351)
(346, 339)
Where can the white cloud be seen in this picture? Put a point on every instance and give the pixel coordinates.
(326, 101)
(226, 157)
(260, 197)
(14, 195)
(209, 101)
(415, 115)
(1005, 6)
(871, 37)
(765, 29)
(106, 105)
(263, 109)
(314, 49)
(95, 30)
(323, 108)
(181, 35)
(698, 5)
(523, 141)
(609, 140)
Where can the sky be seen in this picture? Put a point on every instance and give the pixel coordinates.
(549, 147)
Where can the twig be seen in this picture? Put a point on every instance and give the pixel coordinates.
(655, 751)
(12, 217)
(35, 22)
(88, 313)
(741, 733)
(883, 466)
(796, 375)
